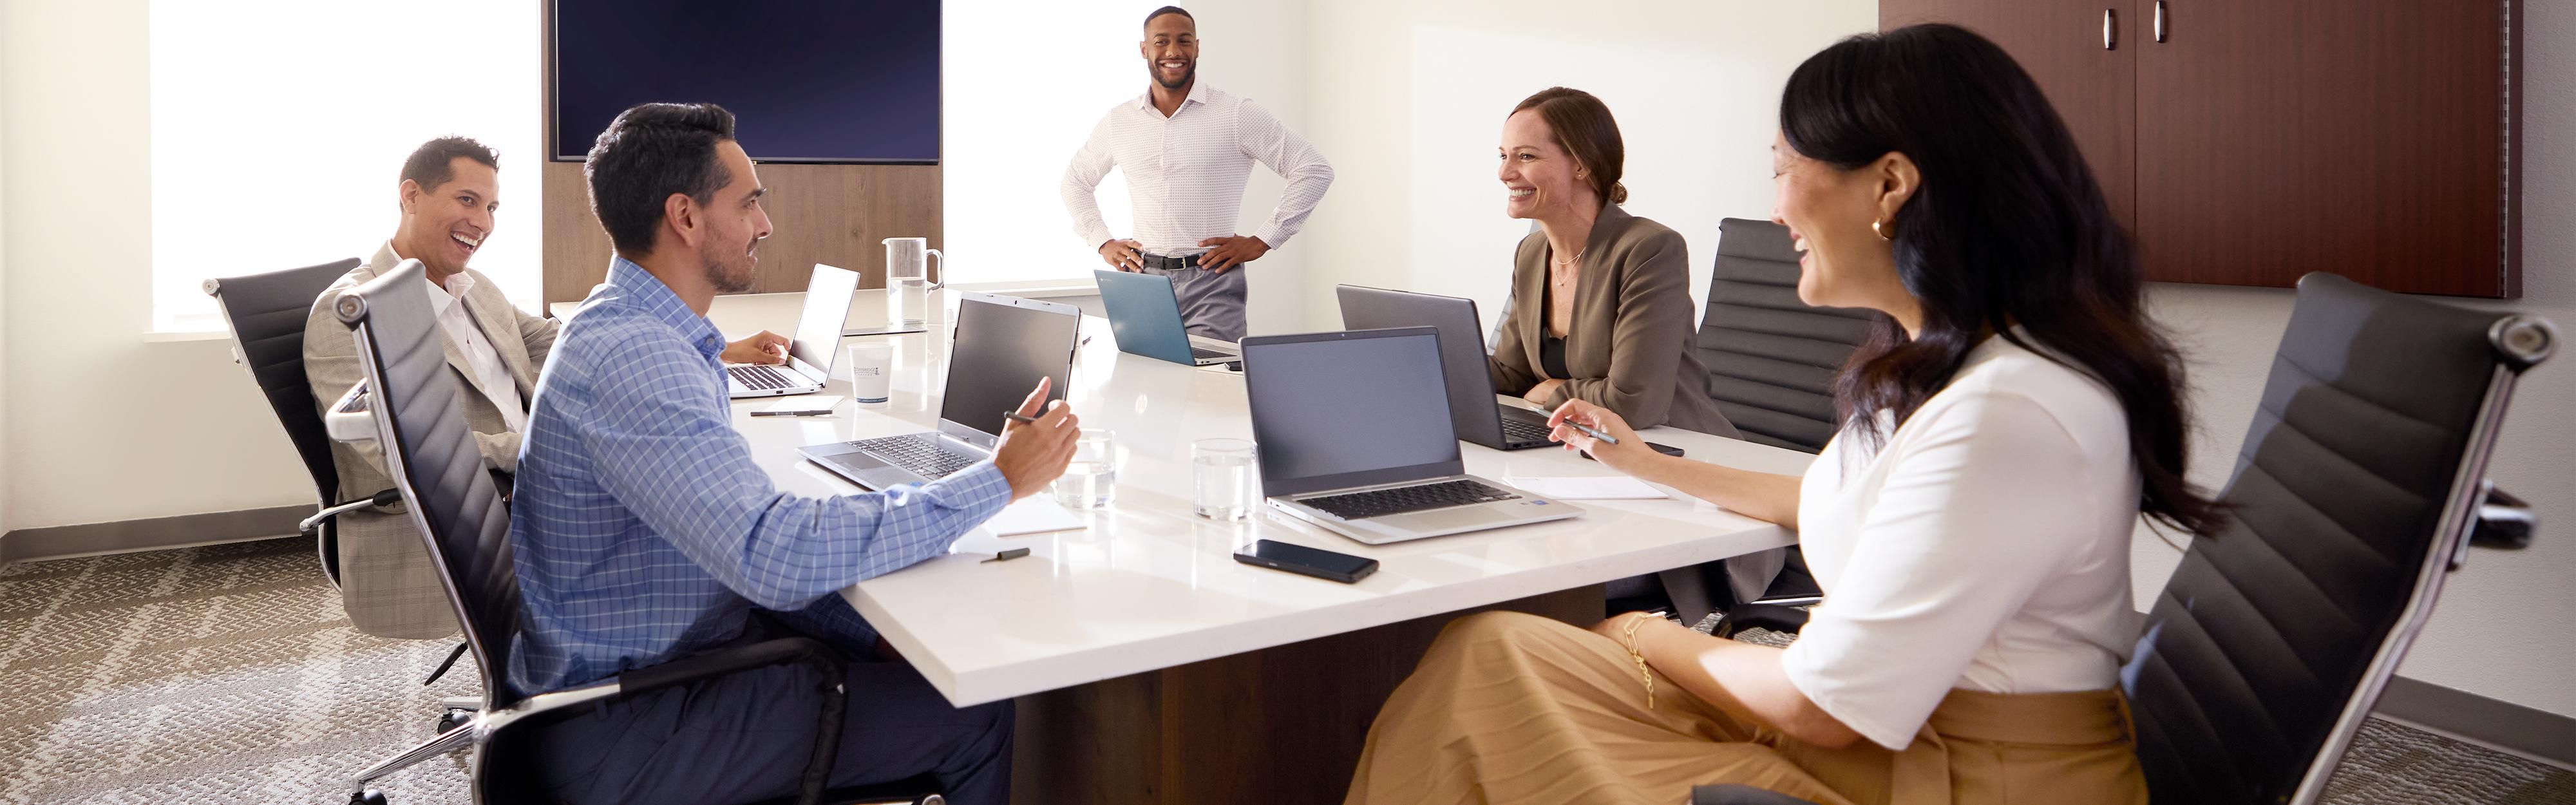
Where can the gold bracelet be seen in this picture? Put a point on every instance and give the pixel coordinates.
(1634, 621)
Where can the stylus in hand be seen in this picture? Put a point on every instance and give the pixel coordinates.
(1604, 438)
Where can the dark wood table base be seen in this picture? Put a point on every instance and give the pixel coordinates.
(1283, 724)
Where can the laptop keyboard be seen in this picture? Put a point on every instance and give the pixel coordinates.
(1383, 502)
(1203, 353)
(918, 452)
(1516, 430)
(763, 378)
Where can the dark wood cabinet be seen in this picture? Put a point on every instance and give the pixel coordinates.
(2264, 139)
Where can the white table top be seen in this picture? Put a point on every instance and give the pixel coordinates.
(1148, 585)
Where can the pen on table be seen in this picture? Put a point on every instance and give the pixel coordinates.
(791, 413)
(1588, 431)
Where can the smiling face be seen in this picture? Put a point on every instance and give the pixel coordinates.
(444, 226)
(733, 223)
(1171, 49)
(1828, 211)
(1537, 173)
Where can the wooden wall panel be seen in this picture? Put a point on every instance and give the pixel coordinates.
(832, 214)
(2059, 43)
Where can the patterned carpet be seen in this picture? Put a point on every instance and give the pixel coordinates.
(227, 674)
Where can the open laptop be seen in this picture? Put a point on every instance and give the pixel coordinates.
(1479, 417)
(1355, 437)
(818, 336)
(1001, 346)
(1145, 317)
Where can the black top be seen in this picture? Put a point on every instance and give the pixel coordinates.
(1551, 349)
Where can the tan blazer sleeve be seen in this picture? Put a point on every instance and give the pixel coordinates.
(539, 333)
(1514, 370)
(1647, 328)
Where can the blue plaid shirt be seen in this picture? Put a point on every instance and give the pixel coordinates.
(642, 529)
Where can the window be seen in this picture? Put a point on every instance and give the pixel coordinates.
(1009, 130)
(279, 128)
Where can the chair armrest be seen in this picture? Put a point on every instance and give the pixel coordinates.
(1731, 794)
(1768, 616)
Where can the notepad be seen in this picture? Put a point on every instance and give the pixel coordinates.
(1035, 514)
(1589, 487)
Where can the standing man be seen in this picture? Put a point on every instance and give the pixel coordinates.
(448, 193)
(643, 531)
(1187, 149)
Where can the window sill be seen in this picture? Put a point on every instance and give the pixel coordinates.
(176, 336)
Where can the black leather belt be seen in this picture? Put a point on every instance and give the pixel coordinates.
(1168, 263)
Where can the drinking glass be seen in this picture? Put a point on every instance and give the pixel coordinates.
(1221, 475)
(1092, 476)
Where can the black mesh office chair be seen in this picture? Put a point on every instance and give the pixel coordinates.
(465, 523)
(2361, 484)
(267, 314)
(1771, 363)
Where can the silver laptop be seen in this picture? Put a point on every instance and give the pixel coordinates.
(1355, 437)
(1001, 346)
(1480, 418)
(817, 341)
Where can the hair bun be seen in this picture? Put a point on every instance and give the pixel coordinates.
(1618, 192)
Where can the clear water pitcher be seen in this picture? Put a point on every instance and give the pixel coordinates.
(908, 284)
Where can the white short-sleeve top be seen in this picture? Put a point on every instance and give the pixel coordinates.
(1984, 546)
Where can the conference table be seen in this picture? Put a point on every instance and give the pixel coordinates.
(1148, 665)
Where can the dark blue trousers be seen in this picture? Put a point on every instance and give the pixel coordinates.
(747, 737)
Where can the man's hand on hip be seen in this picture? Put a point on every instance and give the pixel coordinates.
(1231, 252)
(1032, 455)
(1123, 255)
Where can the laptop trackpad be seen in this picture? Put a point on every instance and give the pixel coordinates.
(867, 471)
(1461, 518)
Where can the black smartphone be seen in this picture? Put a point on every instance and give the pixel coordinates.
(1299, 559)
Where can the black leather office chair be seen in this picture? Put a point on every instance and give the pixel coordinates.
(2361, 484)
(267, 314)
(1771, 363)
(465, 523)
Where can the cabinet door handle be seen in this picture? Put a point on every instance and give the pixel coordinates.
(2160, 20)
(2110, 38)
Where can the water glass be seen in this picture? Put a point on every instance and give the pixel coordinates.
(1092, 476)
(871, 365)
(1221, 474)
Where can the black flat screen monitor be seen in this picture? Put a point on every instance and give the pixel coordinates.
(814, 81)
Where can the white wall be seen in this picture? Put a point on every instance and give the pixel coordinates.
(1409, 100)
(1026, 80)
(2501, 628)
(191, 433)
(5, 509)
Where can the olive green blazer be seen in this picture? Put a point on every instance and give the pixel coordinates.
(1629, 348)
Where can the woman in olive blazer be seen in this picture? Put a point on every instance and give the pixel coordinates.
(1608, 322)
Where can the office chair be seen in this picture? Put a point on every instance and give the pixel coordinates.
(464, 522)
(267, 314)
(2361, 484)
(1771, 363)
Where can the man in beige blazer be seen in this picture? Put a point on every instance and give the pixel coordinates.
(449, 190)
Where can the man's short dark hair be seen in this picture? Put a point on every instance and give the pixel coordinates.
(1149, 18)
(648, 153)
(434, 162)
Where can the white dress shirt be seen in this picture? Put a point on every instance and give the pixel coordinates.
(478, 351)
(1985, 546)
(1186, 173)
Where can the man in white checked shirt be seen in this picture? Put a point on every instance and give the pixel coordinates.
(1187, 149)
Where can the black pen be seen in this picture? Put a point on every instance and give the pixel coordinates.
(791, 413)
(1016, 417)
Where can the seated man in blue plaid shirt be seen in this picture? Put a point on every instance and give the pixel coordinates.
(643, 532)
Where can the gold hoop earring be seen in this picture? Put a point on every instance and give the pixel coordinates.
(1875, 230)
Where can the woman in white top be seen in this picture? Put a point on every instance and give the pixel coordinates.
(2012, 419)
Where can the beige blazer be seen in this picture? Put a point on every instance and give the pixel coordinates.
(386, 581)
(1629, 348)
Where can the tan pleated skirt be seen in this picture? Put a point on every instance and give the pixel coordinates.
(1514, 708)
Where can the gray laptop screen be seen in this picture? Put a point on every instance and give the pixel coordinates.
(1001, 350)
(827, 308)
(1364, 408)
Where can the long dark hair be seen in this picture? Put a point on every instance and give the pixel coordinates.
(2008, 227)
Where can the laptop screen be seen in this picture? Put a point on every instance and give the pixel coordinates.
(1335, 410)
(827, 309)
(1003, 345)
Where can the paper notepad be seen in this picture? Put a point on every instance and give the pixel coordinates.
(1035, 514)
(1589, 487)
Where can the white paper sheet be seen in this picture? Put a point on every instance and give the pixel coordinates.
(1589, 487)
(1035, 514)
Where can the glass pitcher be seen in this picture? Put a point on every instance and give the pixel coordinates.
(908, 284)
